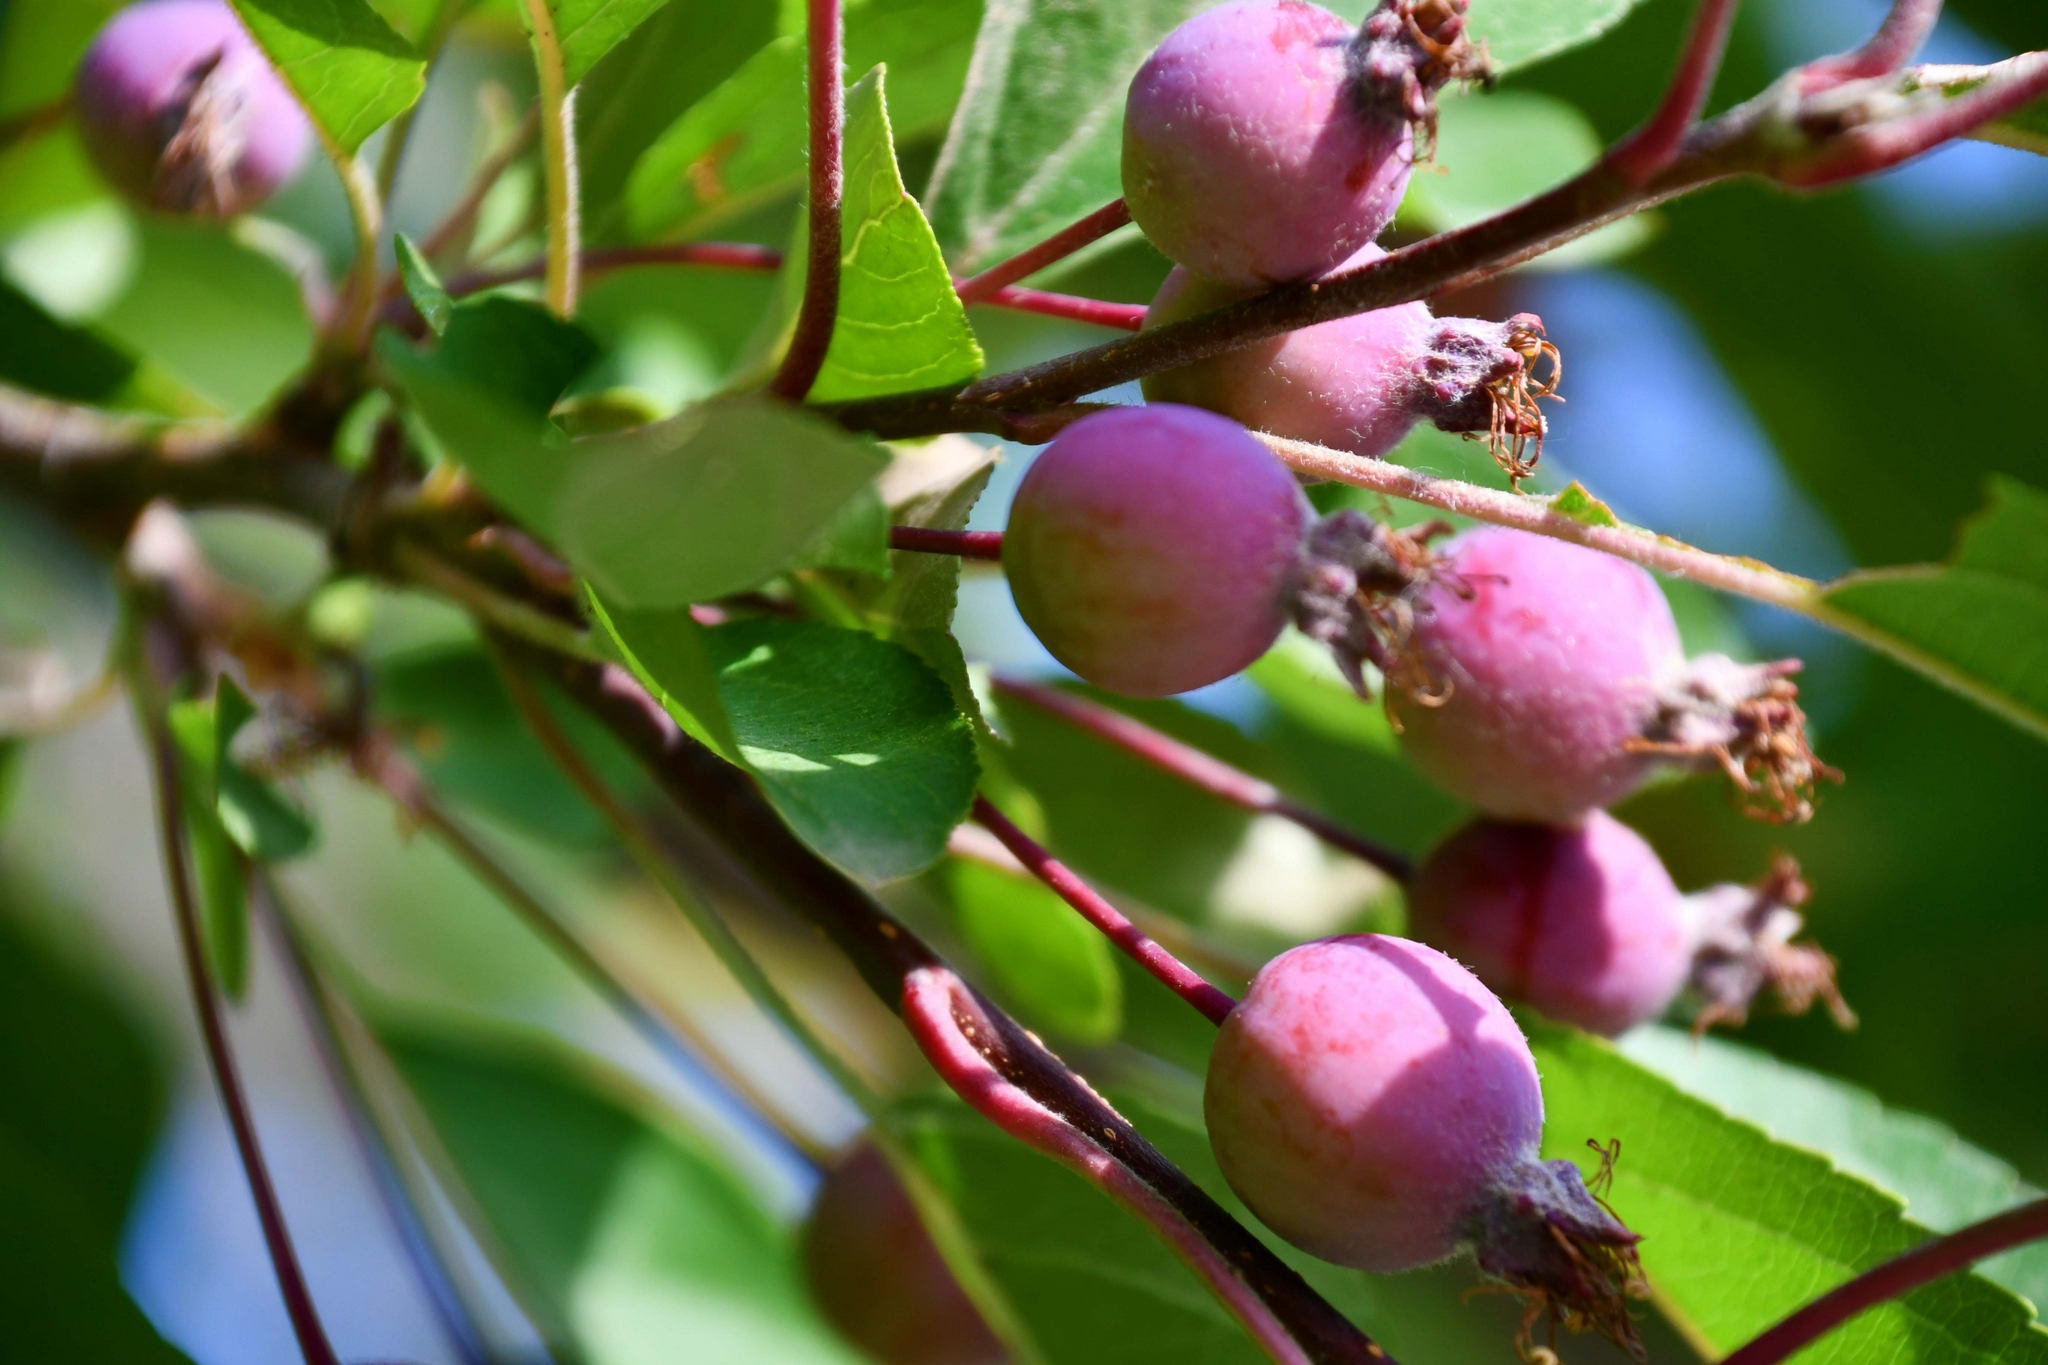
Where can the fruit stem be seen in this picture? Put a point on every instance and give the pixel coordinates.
(366, 213)
(932, 541)
(1905, 27)
(277, 1240)
(669, 1031)
(558, 149)
(820, 308)
(1200, 770)
(1638, 157)
(641, 848)
(1057, 247)
(1924, 1264)
(1177, 976)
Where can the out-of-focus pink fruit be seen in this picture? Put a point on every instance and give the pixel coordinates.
(1583, 923)
(1152, 550)
(879, 1279)
(181, 112)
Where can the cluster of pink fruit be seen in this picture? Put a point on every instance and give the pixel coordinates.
(1371, 1099)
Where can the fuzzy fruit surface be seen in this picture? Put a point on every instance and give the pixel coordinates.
(1552, 655)
(1583, 923)
(879, 1279)
(1366, 1097)
(181, 112)
(1250, 155)
(1351, 384)
(1152, 549)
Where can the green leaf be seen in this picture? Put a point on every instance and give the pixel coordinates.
(216, 864)
(934, 484)
(1496, 150)
(1054, 966)
(1739, 1230)
(48, 356)
(1088, 1282)
(857, 539)
(854, 739)
(1303, 681)
(423, 285)
(710, 502)
(900, 326)
(40, 44)
(1946, 1183)
(587, 29)
(1037, 141)
(633, 1239)
(1520, 33)
(1581, 506)
(348, 67)
(1978, 624)
(744, 143)
(665, 651)
(261, 823)
(81, 1097)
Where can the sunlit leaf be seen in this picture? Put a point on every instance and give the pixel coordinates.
(587, 29)
(665, 651)
(1520, 33)
(854, 739)
(347, 65)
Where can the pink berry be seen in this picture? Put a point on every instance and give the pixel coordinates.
(1249, 156)
(879, 1279)
(1359, 383)
(1375, 1105)
(1153, 549)
(181, 112)
(1546, 659)
(1583, 923)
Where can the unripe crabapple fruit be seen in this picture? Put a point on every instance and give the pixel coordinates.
(1557, 684)
(1585, 924)
(1375, 1105)
(878, 1278)
(1361, 383)
(1264, 141)
(1152, 549)
(181, 112)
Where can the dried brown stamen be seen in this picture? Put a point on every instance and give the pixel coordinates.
(1517, 422)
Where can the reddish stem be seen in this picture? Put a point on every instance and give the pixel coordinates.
(1198, 769)
(1177, 976)
(931, 541)
(1649, 149)
(277, 1239)
(1905, 27)
(1126, 317)
(1863, 150)
(1895, 1278)
(1057, 247)
(820, 310)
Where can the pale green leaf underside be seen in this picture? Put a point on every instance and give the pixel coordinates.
(900, 326)
(1739, 1230)
(1945, 1182)
(1979, 622)
(348, 67)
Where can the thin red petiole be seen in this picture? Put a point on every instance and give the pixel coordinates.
(277, 1239)
(1198, 769)
(966, 544)
(1125, 317)
(1176, 975)
(1924, 1264)
(820, 309)
(1649, 149)
(1057, 247)
(1905, 27)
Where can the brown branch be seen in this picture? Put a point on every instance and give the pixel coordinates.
(724, 802)
(819, 312)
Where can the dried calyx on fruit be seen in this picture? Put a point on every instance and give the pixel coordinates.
(1540, 680)
(181, 112)
(1361, 383)
(1354, 593)
(1264, 141)
(1585, 924)
(1377, 1106)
